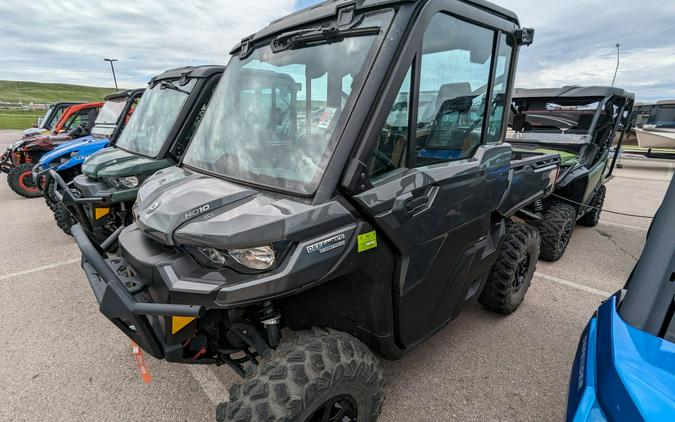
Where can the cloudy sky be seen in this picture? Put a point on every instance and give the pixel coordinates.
(66, 41)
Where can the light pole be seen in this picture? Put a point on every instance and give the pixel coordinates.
(618, 48)
(113, 70)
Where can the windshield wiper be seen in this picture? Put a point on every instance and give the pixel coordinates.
(169, 85)
(312, 36)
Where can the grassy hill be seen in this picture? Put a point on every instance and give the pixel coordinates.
(41, 93)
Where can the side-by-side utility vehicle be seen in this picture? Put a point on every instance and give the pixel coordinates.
(624, 369)
(66, 159)
(20, 157)
(580, 124)
(52, 115)
(304, 229)
(101, 198)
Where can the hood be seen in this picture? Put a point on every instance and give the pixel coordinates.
(46, 141)
(116, 162)
(34, 131)
(68, 148)
(180, 206)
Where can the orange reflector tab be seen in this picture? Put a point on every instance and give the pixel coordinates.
(101, 212)
(140, 361)
(178, 322)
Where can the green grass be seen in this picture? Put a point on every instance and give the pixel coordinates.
(45, 93)
(18, 119)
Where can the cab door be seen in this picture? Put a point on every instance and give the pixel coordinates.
(438, 171)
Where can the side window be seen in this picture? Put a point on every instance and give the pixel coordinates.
(495, 122)
(392, 150)
(454, 77)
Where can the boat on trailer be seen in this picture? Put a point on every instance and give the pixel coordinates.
(658, 131)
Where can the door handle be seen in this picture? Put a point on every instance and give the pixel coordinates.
(406, 205)
(416, 202)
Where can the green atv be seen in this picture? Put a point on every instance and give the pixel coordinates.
(100, 199)
(578, 123)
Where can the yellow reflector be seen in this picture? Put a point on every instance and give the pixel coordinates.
(178, 322)
(101, 212)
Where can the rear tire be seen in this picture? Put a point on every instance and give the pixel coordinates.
(20, 180)
(592, 217)
(63, 218)
(319, 371)
(512, 273)
(556, 230)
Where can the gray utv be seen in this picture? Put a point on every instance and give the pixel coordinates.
(101, 198)
(579, 123)
(349, 198)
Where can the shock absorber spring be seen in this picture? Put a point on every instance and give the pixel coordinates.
(270, 318)
(538, 206)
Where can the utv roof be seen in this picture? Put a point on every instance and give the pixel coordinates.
(665, 102)
(204, 71)
(574, 91)
(330, 8)
(124, 94)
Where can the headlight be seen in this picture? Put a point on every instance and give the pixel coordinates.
(214, 255)
(259, 258)
(129, 182)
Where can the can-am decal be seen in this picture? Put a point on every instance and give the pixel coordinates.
(327, 244)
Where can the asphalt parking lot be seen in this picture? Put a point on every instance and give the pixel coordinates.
(62, 360)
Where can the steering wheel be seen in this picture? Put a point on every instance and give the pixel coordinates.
(79, 131)
(386, 161)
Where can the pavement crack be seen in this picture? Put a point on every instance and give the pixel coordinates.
(611, 239)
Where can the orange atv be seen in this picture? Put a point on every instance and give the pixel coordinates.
(20, 157)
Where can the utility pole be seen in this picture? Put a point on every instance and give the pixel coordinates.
(618, 49)
(113, 70)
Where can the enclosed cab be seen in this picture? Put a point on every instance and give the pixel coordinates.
(580, 124)
(348, 182)
(155, 137)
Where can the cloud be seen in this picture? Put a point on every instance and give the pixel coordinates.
(66, 41)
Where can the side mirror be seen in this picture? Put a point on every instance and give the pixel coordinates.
(524, 36)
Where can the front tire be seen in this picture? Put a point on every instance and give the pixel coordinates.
(49, 194)
(322, 375)
(592, 217)
(556, 230)
(512, 273)
(20, 180)
(63, 218)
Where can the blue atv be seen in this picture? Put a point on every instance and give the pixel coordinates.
(624, 369)
(67, 158)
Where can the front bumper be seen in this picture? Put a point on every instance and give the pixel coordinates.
(94, 212)
(126, 302)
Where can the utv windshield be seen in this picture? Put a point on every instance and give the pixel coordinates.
(108, 117)
(148, 127)
(273, 115)
(555, 115)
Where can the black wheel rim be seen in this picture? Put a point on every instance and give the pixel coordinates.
(341, 408)
(521, 272)
(565, 235)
